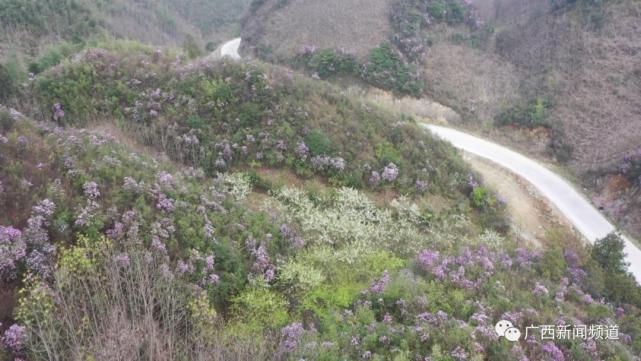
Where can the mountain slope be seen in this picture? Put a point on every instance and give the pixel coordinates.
(567, 69)
(120, 244)
(28, 28)
(245, 212)
(218, 114)
(282, 29)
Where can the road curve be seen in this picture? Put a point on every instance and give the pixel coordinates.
(579, 211)
(585, 218)
(230, 49)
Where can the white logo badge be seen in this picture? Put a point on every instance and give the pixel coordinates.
(506, 329)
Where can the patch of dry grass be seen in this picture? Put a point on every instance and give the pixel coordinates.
(355, 25)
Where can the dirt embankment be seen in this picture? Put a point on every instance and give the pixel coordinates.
(532, 216)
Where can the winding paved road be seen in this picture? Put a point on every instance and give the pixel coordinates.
(585, 218)
(230, 49)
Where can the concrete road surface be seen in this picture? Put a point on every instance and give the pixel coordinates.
(578, 210)
(230, 49)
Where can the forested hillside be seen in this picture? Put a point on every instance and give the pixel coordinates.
(31, 30)
(283, 219)
(557, 79)
(159, 203)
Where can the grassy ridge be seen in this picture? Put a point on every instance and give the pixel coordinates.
(218, 115)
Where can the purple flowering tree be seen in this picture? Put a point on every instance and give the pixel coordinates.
(261, 265)
(379, 285)
(291, 336)
(13, 250)
(302, 151)
(390, 173)
(88, 212)
(552, 352)
(41, 252)
(58, 113)
(374, 179)
(15, 338)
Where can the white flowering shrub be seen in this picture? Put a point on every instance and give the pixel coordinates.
(491, 239)
(238, 185)
(302, 274)
(407, 209)
(352, 223)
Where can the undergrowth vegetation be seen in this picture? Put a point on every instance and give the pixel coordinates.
(538, 113)
(411, 19)
(384, 68)
(38, 34)
(119, 254)
(531, 115)
(70, 19)
(222, 115)
(393, 66)
(397, 253)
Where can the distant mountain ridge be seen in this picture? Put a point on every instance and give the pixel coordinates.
(28, 26)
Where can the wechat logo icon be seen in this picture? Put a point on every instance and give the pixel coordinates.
(505, 329)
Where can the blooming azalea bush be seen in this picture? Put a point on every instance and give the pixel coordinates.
(103, 189)
(411, 20)
(432, 314)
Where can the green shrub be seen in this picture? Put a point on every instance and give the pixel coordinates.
(328, 62)
(261, 307)
(73, 92)
(7, 85)
(210, 46)
(482, 198)
(191, 47)
(53, 56)
(595, 280)
(6, 121)
(437, 9)
(559, 147)
(451, 11)
(215, 90)
(260, 183)
(608, 252)
(532, 115)
(386, 69)
(318, 143)
(553, 264)
(194, 122)
(323, 300)
(620, 285)
(455, 13)
(386, 153)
